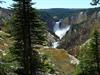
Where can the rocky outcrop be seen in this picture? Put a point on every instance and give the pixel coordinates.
(82, 16)
(80, 29)
(51, 37)
(63, 62)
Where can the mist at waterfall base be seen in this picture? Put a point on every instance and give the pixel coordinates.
(60, 32)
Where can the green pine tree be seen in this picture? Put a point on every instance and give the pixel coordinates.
(89, 57)
(28, 31)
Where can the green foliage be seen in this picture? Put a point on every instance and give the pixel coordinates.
(44, 64)
(95, 2)
(6, 25)
(28, 31)
(9, 63)
(47, 66)
(7, 67)
(89, 57)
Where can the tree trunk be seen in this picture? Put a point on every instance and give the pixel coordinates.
(27, 39)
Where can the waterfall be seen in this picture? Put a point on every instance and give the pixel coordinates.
(55, 44)
(60, 32)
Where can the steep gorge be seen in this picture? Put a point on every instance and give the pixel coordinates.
(80, 28)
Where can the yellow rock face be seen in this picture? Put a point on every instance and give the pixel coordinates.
(60, 58)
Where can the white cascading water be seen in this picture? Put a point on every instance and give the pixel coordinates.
(60, 32)
(55, 44)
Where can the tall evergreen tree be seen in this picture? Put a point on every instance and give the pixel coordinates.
(89, 57)
(28, 30)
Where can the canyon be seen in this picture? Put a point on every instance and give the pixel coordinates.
(67, 30)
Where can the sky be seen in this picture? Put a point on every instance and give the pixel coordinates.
(44, 4)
